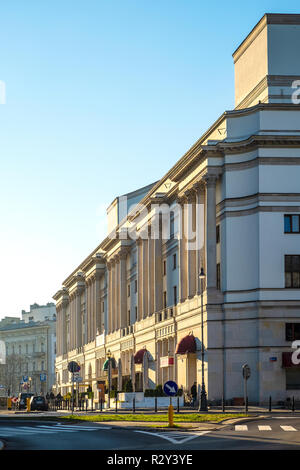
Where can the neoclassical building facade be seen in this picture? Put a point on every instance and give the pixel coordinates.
(229, 206)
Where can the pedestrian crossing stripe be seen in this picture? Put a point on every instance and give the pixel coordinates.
(46, 429)
(244, 427)
(288, 428)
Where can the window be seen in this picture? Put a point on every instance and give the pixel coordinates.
(165, 299)
(292, 378)
(218, 234)
(292, 331)
(136, 313)
(218, 276)
(128, 290)
(174, 261)
(26, 347)
(135, 286)
(33, 366)
(43, 365)
(42, 347)
(292, 271)
(102, 306)
(175, 295)
(128, 317)
(165, 268)
(172, 226)
(292, 223)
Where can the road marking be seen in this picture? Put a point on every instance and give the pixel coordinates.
(46, 429)
(241, 427)
(176, 437)
(288, 428)
(264, 428)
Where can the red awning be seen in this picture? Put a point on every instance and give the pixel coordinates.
(186, 345)
(138, 357)
(287, 360)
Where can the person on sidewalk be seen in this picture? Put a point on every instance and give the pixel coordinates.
(194, 393)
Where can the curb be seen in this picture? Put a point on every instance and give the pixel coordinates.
(230, 422)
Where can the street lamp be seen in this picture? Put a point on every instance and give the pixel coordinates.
(203, 399)
(109, 376)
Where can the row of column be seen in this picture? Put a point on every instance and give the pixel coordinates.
(197, 243)
(117, 291)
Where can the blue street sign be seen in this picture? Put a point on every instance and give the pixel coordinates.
(170, 388)
(25, 378)
(43, 377)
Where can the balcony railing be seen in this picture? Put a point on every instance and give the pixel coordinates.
(165, 314)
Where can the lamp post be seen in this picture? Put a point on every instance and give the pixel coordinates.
(203, 398)
(109, 376)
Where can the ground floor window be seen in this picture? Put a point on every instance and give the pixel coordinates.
(292, 376)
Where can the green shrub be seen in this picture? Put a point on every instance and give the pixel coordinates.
(158, 392)
(149, 392)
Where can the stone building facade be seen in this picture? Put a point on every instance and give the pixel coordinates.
(230, 206)
(30, 351)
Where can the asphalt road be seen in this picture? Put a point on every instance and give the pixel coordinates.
(266, 434)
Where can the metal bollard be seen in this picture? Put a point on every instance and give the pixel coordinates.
(223, 405)
(293, 404)
(155, 404)
(177, 404)
(86, 405)
(270, 404)
(133, 405)
(101, 405)
(116, 402)
(171, 415)
(246, 405)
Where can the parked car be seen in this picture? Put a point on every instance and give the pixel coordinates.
(38, 404)
(22, 400)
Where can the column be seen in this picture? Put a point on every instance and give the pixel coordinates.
(210, 217)
(200, 230)
(123, 289)
(65, 303)
(150, 275)
(190, 238)
(108, 290)
(182, 254)
(145, 278)
(157, 272)
(139, 278)
(97, 303)
(78, 342)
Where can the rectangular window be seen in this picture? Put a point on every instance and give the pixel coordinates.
(136, 313)
(218, 234)
(175, 295)
(292, 331)
(174, 261)
(135, 286)
(128, 317)
(165, 268)
(292, 223)
(292, 271)
(218, 276)
(172, 226)
(102, 306)
(165, 299)
(128, 290)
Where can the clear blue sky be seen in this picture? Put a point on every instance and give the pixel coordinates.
(102, 97)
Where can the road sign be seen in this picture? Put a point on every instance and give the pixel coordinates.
(43, 377)
(25, 378)
(246, 371)
(170, 388)
(73, 367)
(77, 378)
